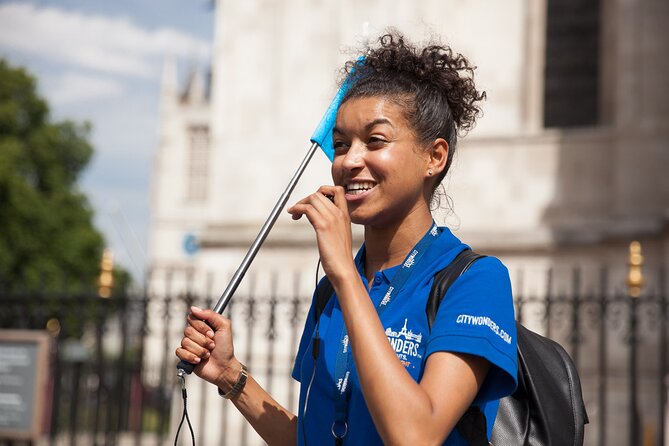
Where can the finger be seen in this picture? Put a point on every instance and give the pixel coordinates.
(193, 347)
(340, 198)
(200, 326)
(199, 338)
(213, 319)
(187, 356)
(322, 204)
(336, 195)
(312, 199)
(300, 210)
(328, 191)
(296, 210)
(294, 213)
(316, 210)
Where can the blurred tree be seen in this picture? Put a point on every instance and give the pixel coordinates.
(47, 239)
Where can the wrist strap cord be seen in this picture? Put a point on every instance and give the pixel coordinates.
(184, 415)
(314, 353)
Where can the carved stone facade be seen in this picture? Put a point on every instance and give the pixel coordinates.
(531, 184)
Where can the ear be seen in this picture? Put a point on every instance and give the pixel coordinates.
(438, 155)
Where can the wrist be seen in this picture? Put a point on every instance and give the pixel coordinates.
(229, 375)
(345, 276)
(238, 387)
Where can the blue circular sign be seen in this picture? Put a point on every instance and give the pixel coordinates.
(191, 244)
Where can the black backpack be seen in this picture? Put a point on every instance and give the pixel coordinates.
(546, 409)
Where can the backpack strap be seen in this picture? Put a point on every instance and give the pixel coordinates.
(445, 278)
(472, 425)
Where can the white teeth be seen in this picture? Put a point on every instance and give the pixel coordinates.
(359, 187)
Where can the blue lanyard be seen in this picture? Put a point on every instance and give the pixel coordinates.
(344, 356)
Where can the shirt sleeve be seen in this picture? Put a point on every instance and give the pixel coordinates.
(305, 340)
(476, 317)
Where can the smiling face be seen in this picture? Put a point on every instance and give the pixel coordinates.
(380, 163)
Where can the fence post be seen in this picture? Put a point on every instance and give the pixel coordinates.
(662, 300)
(634, 287)
(294, 319)
(250, 332)
(575, 337)
(603, 305)
(271, 333)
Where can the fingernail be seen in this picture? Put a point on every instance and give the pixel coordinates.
(206, 355)
(197, 360)
(211, 346)
(210, 334)
(193, 307)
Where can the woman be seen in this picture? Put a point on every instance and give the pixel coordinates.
(380, 374)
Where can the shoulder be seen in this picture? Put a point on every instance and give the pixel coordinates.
(485, 277)
(488, 265)
(476, 316)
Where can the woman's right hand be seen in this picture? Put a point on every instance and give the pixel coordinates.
(207, 343)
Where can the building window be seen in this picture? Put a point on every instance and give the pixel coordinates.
(571, 79)
(197, 175)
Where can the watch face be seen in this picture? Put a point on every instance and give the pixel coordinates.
(191, 244)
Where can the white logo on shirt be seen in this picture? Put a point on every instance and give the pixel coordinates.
(486, 321)
(405, 342)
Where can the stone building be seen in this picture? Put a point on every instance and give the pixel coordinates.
(565, 168)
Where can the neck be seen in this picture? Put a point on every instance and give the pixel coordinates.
(388, 246)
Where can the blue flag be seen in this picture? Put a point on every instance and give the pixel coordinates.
(323, 133)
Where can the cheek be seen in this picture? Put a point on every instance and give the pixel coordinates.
(398, 166)
(335, 170)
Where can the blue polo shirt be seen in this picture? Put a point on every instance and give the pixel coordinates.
(475, 317)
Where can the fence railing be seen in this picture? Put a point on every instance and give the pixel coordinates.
(112, 378)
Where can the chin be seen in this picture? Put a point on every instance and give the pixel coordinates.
(360, 219)
(366, 219)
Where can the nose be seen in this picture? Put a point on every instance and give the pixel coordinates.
(354, 158)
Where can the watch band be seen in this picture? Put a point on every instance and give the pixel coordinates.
(239, 385)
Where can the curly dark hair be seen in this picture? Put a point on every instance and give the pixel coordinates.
(433, 84)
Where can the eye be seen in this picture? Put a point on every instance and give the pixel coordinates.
(376, 141)
(340, 146)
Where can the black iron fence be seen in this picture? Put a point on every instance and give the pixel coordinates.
(112, 380)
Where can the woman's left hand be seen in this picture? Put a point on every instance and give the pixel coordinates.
(327, 212)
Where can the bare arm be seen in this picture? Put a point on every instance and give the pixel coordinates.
(211, 348)
(431, 408)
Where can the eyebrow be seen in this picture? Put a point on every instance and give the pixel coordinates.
(368, 126)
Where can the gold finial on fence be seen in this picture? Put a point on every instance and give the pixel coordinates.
(106, 278)
(635, 272)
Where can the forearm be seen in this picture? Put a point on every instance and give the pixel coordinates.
(275, 424)
(381, 374)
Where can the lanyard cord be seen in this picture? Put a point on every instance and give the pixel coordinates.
(184, 415)
(343, 364)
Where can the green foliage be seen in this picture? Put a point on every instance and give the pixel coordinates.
(47, 239)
